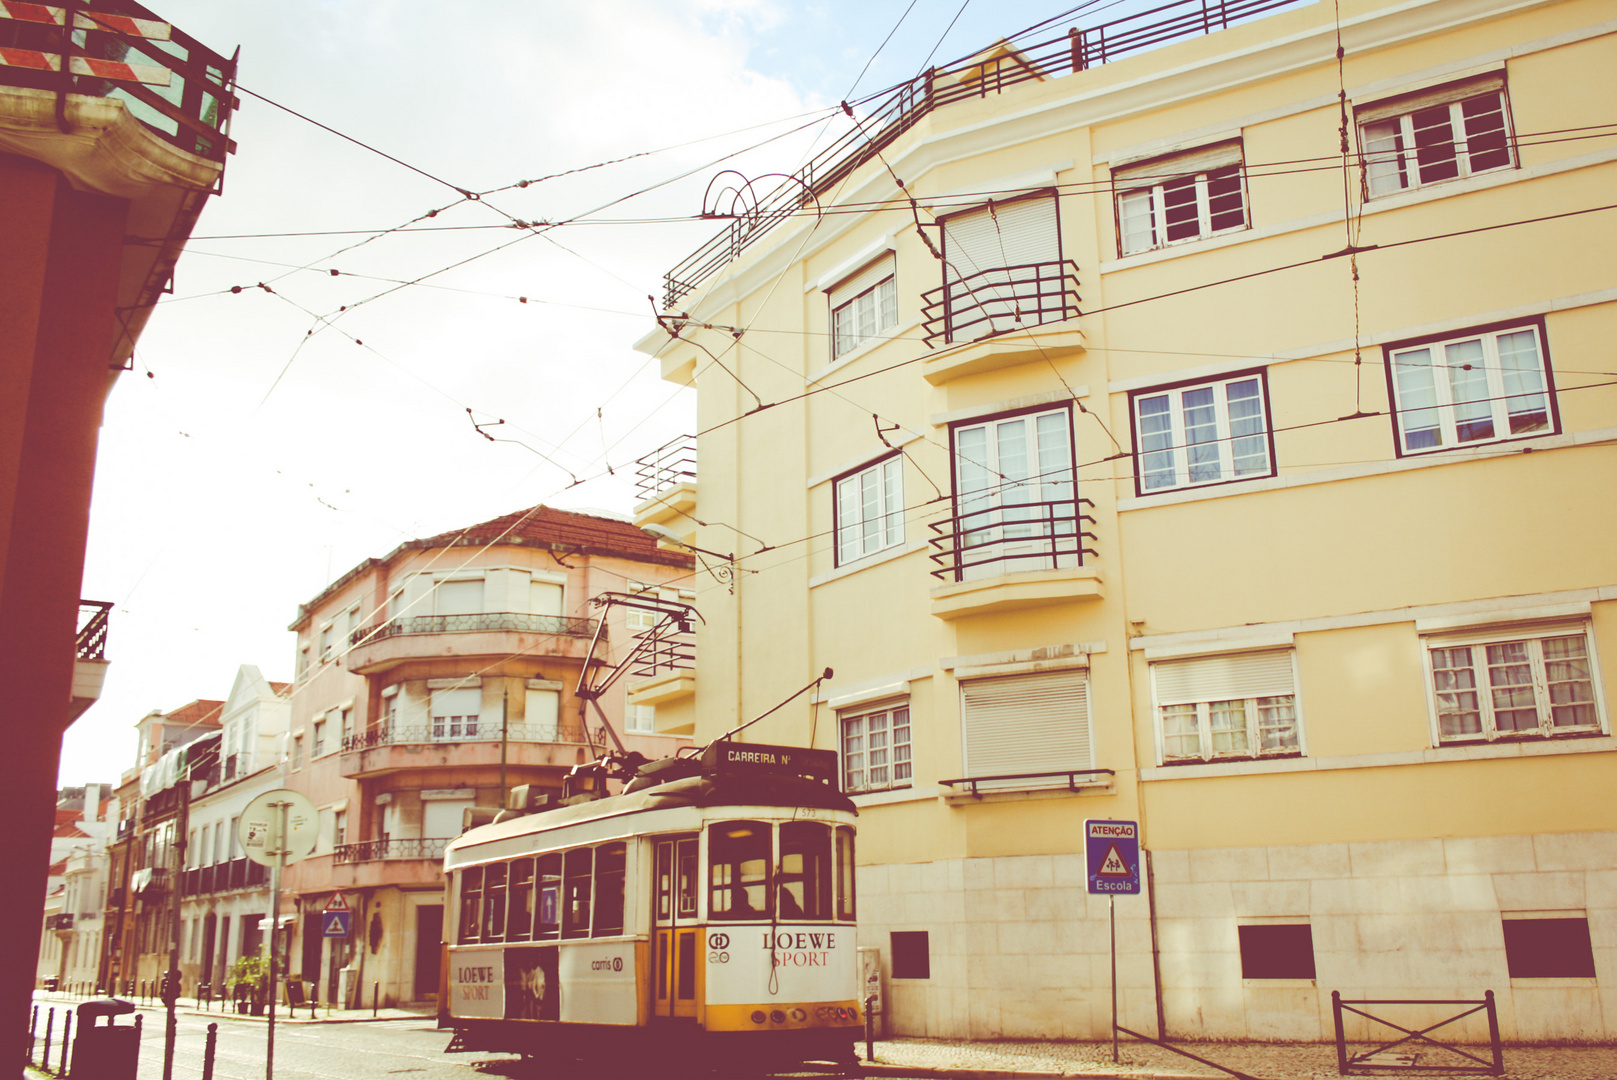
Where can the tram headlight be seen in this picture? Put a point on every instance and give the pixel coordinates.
(758, 1016)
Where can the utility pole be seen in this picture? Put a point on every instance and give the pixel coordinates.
(176, 889)
(280, 851)
(505, 727)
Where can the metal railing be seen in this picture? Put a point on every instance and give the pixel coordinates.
(889, 113)
(1021, 536)
(173, 84)
(1364, 1064)
(972, 784)
(225, 876)
(477, 731)
(519, 621)
(672, 463)
(92, 636)
(1001, 299)
(376, 850)
(663, 652)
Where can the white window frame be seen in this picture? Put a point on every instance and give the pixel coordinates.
(455, 727)
(1444, 402)
(1441, 690)
(869, 508)
(1389, 139)
(863, 305)
(1033, 723)
(640, 719)
(1211, 175)
(1225, 467)
(1219, 688)
(995, 504)
(858, 732)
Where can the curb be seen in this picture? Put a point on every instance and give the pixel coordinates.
(882, 1068)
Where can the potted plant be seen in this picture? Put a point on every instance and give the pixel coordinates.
(248, 982)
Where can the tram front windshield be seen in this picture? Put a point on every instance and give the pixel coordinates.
(798, 870)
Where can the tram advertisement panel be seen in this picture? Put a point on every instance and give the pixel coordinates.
(477, 983)
(812, 963)
(598, 983)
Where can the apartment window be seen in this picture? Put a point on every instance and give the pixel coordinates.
(1277, 951)
(1180, 197)
(912, 954)
(1503, 685)
(1021, 724)
(1445, 133)
(863, 306)
(870, 510)
(327, 637)
(1221, 707)
(297, 751)
(1549, 948)
(641, 719)
(339, 828)
(1002, 269)
(1016, 505)
(455, 713)
(1481, 387)
(452, 598)
(346, 718)
(319, 738)
(876, 750)
(1202, 433)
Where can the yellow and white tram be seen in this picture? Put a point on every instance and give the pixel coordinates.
(707, 912)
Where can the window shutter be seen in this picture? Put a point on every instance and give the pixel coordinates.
(467, 701)
(1224, 678)
(459, 598)
(1493, 82)
(1025, 724)
(544, 598)
(1187, 163)
(861, 280)
(1013, 234)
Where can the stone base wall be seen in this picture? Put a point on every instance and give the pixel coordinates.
(1018, 949)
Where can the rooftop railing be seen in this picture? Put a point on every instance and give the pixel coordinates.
(173, 84)
(92, 636)
(886, 115)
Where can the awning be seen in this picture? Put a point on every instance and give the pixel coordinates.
(168, 769)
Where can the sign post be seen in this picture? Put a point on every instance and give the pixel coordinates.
(1112, 864)
(277, 827)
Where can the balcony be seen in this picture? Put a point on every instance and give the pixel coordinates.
(499, 633)
(381, 751)
(665, 484)
(376, 850)
(1012, 555)
(888, 114)
(90, 659)
(1000, 300)
(63, 921)
(225, 876)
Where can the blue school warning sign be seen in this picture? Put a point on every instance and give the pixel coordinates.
(1112, 857)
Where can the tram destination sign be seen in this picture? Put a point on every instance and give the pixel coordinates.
(734, 759)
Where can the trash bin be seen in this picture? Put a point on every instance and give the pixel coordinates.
(105, 1051)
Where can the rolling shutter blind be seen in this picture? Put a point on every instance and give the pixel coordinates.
(1025, 724)
(873, 272)
(544, 598)
(1012, 234)
(458, 598)
(1493, 82)
(1224, 678)
(1189, 163)
(466, 701)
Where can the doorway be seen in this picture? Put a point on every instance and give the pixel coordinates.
(210, 927)
(429, 938)
(674, 930)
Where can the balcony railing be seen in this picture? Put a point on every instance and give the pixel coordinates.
(63, 921)
(225, 876)
(174, 85)
(672, 463)
(887, 114)
(999, 300)
(374, 850)
(563, 625)
(92, 637)
(1009, 537)
(464, 730)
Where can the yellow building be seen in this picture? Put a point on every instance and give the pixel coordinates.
(1192, 428)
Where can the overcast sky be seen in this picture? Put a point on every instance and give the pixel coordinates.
(268, 441)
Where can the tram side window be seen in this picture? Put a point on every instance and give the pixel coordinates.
(738, 867)
(576, 894)
(519, 923)
(471, 892)
(609, 867)
(805, 870)
(845, 894)
(494, 902)
(548, 926)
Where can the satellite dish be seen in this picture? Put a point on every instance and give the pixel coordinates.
(259, 830)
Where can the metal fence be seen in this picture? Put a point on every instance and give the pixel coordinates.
(1011, 536)
(672, 463)
(390, 848)
(1403, 1055)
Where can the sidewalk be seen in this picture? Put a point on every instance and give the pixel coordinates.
(219, 1010)
(1038, 1060)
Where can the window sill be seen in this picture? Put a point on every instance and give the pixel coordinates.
(1553, 982)
(1279, 984)
(892, 796)
(1603, 744)
(1191, 763)
(859, 352)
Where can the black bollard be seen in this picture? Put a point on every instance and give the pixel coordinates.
(33, 1026)
(208, 1050)
(139, 1017)
(67, 1041)
(50, 1021)
(376, 991)
(870, 1030)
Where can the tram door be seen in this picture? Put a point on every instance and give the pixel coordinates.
(674, 927)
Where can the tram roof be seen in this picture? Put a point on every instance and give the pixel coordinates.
(694, 791)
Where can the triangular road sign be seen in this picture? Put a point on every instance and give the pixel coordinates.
(1113, 865)
(337, 903)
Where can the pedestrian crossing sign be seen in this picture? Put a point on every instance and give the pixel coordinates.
(336, 923)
